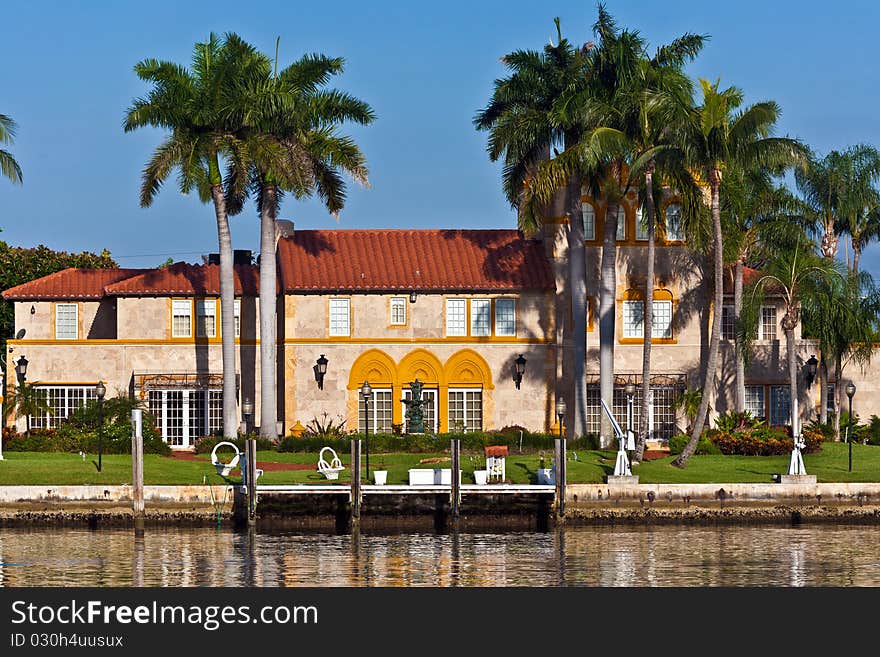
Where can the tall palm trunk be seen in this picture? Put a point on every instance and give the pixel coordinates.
(829, 250)
(607, 293)
(830, 241)
(838, 394)
(715, 339)
(227, 311)
(789, 322)
(646, 409)
(578, 281)
(268, 300)
(857, 253)
(823, 392)
(740, 383)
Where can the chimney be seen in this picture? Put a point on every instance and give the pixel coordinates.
(242, 257)
(213, 258)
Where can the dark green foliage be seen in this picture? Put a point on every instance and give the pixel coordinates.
(677, 443)
(69, 438)
(205, 444)
(424, 443)
(872, 434)
(737, 421)
(762, 441)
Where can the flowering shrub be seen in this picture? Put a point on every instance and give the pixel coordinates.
(762, 441)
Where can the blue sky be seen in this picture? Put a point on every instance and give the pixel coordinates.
(424, 67)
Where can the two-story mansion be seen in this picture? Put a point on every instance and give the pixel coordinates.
(452, 308)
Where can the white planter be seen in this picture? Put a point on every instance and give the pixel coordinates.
(421, 477)
(480, 477)
(443, 476)
(546, 476)
(380, 477)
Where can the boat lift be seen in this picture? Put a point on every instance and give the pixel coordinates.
(624, 441)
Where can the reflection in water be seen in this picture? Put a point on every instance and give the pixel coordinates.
(569, 556)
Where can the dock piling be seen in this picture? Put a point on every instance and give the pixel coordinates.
(455, 500)
(137, 469)
(560, 477)
(355, 480)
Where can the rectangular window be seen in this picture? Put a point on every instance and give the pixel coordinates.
(65, 321)
(429, 410)
(465, 410)
(832, 399)
(340, 317)
(398, 311)
(63, 402)
(641, 226)
(237, 319)
(755, 401)
(780, 405)
(379, 411)
(728, 325)
(181, 318)
(662, 321)
(589, 216)
(456, 317)
(673, 222)
(481, 317)
(215, 411)
(768, 323)
(633, 319)
(621, 223)
(505, 317)
(206, 318)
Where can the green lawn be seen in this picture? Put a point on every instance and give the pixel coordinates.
(37, 468)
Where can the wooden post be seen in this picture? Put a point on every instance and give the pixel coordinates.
(251, 457)
(137, 469)
(456, 478)
(355, 479)
(560, 477)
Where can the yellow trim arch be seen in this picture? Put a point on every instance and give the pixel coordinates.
(374, 366)
(467, 367)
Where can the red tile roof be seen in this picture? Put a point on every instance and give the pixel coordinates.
(70, 283)
(478, 260)
(185, 279)
(749, 276)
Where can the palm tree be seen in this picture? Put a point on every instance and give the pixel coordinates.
(714, 139)
(193, 106)
(291, 144)
(863, 229)
(860, 200)
(797, 274)
(8, 166)
(841, 313)
(26, 400)
(523, 130)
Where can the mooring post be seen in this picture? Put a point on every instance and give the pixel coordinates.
(251, 452)
(137, 469)
(560, 477)
(455, 500)
(355, 479)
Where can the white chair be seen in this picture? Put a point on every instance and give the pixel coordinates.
(223, 469)
(495, 467)
(332, 469)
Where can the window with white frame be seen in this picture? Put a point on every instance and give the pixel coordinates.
(831, 398)
(728, 325)
(429, 409)
(184, 416)
(755, 401)
(398, 311)
(641, 226)
(181, 318)
(634, 319)
(621, 223)
(465, 410)
(768, 323)
(65, 321)
(456, 317)
(340, 317)
(674, 229)
(237, 318)
(481, 317)
(206, 318)
(379, 411)
(505, 317)
(63, 401)
(780, 405)
(589, 215)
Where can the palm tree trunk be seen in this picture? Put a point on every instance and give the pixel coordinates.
(607, 293)
(740, 392)
(578, 280)
(227, 314)
(857, 253)
(649, 318)
(792, 374)
(712, 360)
(838, 393)
(823, 393)
(268, 348)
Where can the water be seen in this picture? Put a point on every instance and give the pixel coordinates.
(815, 555)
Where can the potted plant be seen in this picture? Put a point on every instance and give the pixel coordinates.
(380, 474)
(481, 474)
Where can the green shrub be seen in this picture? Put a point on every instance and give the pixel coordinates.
(67, 437)
(737, 421)
(473, 441)
(704, 445)
(872, 433)
(205, 444)
(763, 441)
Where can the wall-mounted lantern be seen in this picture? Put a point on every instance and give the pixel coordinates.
(320, 370)
(519, 368)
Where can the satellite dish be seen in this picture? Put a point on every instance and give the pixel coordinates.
(20, 334)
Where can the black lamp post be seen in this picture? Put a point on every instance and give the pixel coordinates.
(320, 370)
(100, 391)
(21, 369)
(560, 413)
(519, 368)
(850, 392)
(366, 393)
